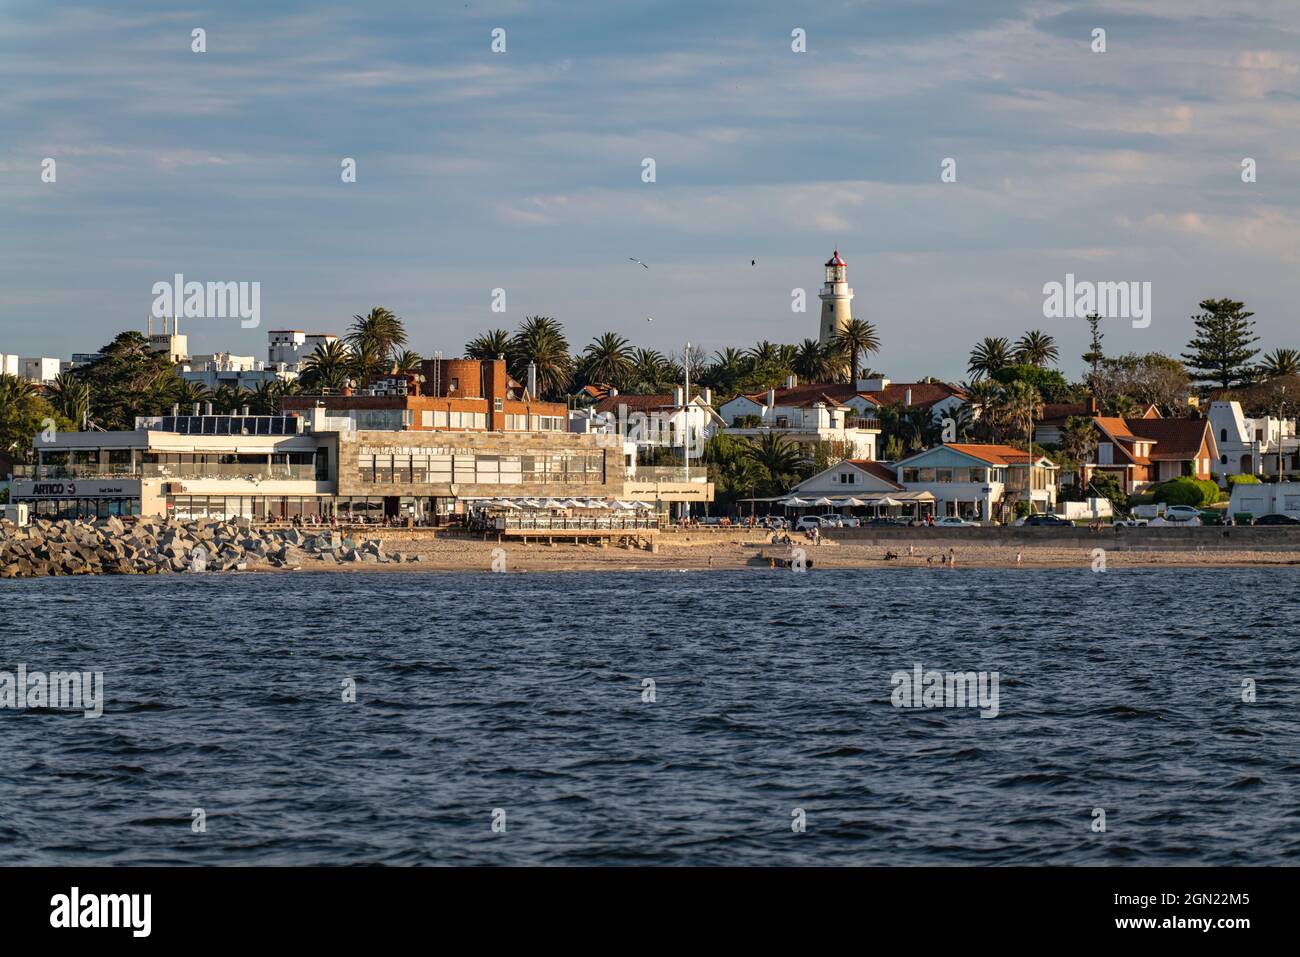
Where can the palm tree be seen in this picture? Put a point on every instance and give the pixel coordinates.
(764, 353)
(364, 361)
(1022, 407)
(491, 345)
(541, 341)
(407, 362)
(70, 397)
(988, 357)
(327, 367)
(813, 361)
(609, 359)
(227, 399)
(265, 399)
(779, 458)
(649, 370)
(190, 393)
(1280, 362)
(1035, 348)
(379, 332)
(856, 340)
(1078, 440)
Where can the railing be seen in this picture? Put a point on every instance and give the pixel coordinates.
(260, 472)
(24, 471)
(667, 473)
(544, 522)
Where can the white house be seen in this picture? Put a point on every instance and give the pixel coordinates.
(1250, 446)
(657, 421)
(804, 415)
(868, 484)
(39, 369)
(980, 482)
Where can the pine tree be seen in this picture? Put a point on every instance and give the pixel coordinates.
(1094, 354)
(1221, 350)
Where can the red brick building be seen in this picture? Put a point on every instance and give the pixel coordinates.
(446, 395)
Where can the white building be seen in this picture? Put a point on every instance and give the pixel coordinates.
(649, 422)
(1265, 498)
(9, 364)
(980, 482)
(289, 347)
(1250, 446)
(39, 369)
(804, 415)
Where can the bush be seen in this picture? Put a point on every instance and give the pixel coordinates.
(1186, 491)
(1242, 480)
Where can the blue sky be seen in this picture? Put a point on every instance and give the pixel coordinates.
(522, 170)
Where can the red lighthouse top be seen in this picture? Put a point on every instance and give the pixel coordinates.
(835, 260)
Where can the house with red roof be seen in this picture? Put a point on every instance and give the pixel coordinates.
(1151, 449)
(980, 482)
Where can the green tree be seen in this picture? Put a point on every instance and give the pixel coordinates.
(852, 343)
(1221, 351)
(1280, 362)
(988, 356)
(70, 397)
(129, 380)
(23, 414)
(779, 460)
(609, 360)
(541, 340)
(376, 336)
(407, 362)
(814, 362)
(1035, 348)
(328, 367)
(1094, 355)
(491, 345)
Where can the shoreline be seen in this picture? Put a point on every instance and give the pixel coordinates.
(459, 554)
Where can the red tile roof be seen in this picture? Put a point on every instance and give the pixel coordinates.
(993, 454)
(879, 470)
(1176, 439)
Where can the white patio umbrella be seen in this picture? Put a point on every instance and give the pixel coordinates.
(823, 501)
(851, 502)
(795, 501)
(886, 502)
(552, 503)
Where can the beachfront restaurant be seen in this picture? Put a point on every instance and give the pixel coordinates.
(857, 487)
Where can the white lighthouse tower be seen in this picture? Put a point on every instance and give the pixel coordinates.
(837, 299)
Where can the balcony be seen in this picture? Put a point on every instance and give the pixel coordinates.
(23, 471)
(260, 472)
(667, 473)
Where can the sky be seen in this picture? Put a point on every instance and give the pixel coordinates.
(523, 170)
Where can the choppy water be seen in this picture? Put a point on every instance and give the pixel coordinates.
(524, 693)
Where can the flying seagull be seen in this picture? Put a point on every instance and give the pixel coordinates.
(630, 259)
(753, 262)
(649, 318)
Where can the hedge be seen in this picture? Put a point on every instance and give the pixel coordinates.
(1186, 491)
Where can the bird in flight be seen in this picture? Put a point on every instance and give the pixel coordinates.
(630, 259)
(649, 318)
(753, 262)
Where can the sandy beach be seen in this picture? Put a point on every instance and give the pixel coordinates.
(739, 551)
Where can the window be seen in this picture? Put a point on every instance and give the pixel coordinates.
(1223, 460)
(454, 385)
(1223, 435)
(497, 405)
(426, 419)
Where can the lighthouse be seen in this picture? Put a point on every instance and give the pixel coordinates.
(837, 299)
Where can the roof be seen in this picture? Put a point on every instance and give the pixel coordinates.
(1176, 439)
(1055, 413)
(802, 396)
(835, 260)
(878, 469)
(994, 454)
(923, 393)
(650, 403)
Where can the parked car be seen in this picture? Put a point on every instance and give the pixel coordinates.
(808, 523)
(1053, 520)
(850, 521)
(886, 520)
(1277, 519)
(831, 521)
(773, 523)
(952, 521)
(1180, 515)
(1131, 523)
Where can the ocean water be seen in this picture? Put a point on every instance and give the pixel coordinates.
(478, 694)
